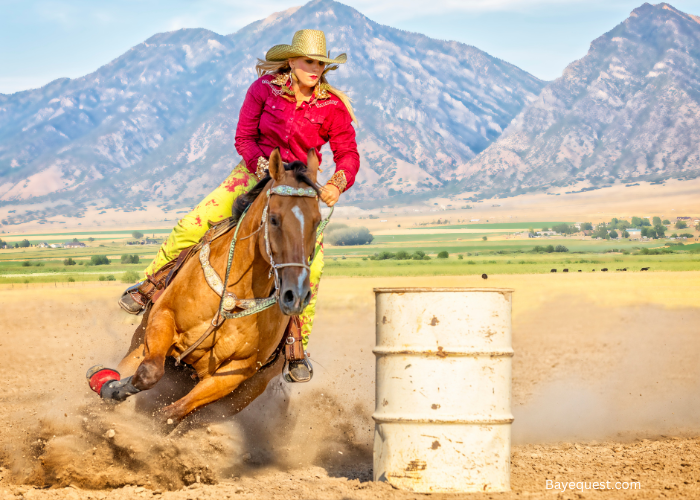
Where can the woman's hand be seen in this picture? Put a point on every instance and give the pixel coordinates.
(330, 194)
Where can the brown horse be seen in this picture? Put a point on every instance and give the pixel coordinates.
(232, 357)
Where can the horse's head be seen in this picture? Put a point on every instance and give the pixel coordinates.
(292, 223)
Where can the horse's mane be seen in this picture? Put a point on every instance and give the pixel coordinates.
(247, 199)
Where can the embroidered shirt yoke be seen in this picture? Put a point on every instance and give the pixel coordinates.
(269, 118)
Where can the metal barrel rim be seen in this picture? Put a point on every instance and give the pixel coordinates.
(441, 289)
(392, 418)
(388, 351)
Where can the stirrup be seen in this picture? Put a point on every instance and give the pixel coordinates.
(132, 301)
(298, 371)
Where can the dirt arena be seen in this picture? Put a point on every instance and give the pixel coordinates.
(605, 388)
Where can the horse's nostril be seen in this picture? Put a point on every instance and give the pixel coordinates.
(288, 297)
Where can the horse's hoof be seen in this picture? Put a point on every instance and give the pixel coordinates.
(98, 376)
(167, 421)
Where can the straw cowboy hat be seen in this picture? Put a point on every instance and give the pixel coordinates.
(306, 43)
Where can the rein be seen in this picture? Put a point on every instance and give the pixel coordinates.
(250, 306)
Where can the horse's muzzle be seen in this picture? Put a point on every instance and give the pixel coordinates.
(294, 299)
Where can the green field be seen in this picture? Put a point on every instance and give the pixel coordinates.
(496, 225)
(64, 235)
(511, 264)
(390, 239)
(493, 256)
(430, 243)
(33, 254)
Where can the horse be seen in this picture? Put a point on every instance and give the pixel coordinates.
(276, 238)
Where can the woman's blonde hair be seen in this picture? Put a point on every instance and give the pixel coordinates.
(279, 67)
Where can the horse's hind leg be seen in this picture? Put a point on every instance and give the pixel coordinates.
(250, 389)
(226, 379)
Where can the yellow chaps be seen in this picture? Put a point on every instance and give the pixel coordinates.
(215, 207)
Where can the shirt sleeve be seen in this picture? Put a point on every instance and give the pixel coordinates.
(341, 135)
(247, 130)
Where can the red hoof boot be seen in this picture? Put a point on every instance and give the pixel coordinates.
(98, 376)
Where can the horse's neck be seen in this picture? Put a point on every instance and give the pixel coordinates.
(250, 270)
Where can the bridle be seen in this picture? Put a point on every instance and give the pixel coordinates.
(250, 306)
(284, 190)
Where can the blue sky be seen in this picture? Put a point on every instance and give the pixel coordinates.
(41, 40)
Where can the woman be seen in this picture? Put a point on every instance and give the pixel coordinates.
(292, 107)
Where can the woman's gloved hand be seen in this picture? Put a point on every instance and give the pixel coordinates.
(330, 194)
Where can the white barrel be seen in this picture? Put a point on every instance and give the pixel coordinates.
(443, 389)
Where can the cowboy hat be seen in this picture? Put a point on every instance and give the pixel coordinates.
(306, 43)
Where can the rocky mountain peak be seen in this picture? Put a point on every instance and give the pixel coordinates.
(629, 110)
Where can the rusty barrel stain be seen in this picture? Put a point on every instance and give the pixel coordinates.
(443, 389)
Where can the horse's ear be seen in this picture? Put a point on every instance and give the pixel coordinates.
(312, 164)
(276, 165)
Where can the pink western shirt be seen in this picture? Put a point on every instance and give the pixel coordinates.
(271, 119)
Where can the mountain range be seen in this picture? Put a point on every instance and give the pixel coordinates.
(156, 125)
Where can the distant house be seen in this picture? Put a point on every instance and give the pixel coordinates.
(56, 245)
(683, 218)
(43, 244)
(73, 244)
(587, 232)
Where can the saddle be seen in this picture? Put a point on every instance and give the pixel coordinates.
(154, 285)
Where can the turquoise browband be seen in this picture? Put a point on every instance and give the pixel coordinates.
(292, 191)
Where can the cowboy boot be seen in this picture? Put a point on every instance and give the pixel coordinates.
(132, 301)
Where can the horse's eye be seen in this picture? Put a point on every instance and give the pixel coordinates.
(275, 220)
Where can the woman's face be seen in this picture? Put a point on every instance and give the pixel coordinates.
(308, 71)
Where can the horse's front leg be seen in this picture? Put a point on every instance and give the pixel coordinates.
(157, 342)
(212, 388)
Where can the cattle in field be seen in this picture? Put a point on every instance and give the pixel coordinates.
(566, 270)
(645, 269)
(605, 269)
(553, 271)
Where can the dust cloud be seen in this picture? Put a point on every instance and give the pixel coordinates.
(643, 384)
(56, 432)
